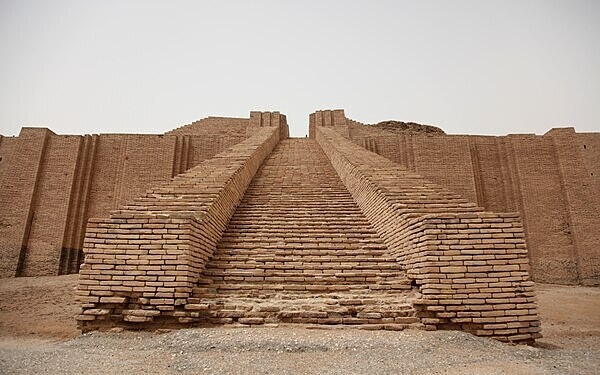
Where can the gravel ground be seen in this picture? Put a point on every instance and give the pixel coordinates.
(285, 350)
(570, 320)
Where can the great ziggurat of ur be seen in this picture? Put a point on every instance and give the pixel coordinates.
(228, 221)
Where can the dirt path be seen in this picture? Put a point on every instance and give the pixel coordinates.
(38, 335)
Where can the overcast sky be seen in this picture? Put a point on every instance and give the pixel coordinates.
(469, 67)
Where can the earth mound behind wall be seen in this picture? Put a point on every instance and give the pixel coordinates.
(394, 126)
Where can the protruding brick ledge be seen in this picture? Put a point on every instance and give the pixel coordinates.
(142, 262)
(471, 266)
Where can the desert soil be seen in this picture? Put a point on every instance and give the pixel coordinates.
(38, 335)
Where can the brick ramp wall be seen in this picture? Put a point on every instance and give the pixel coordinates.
(143, 261)
(471, 266)
(582, 198)
(19, 171)
(52, 198)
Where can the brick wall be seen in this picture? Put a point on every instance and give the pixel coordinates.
(142, 262)
(213, 126)
(582, 198)
(51, 184)
(540, 199)
(472, 270)
(548, 179)
(125, 165)
(471, 266)
(261, 119)
(327, 118)
(71, 255)
(19, 171)
(53, 187)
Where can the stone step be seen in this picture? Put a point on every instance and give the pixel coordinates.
(260, 287)
(315, 262)
(261, 257)
(316, 231)
(304, 244)
(303, 278)
(320, 217)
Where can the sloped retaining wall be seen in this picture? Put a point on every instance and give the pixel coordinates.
(471, 266)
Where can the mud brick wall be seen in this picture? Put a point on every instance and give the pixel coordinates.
(437, 235)
(51, 184)
(548, 179)
(261, 119)
(213, 126)
(581, 194)
(327, 118)
(19, 170)
(551, 180)
(143, 262)
(473, 273)
(52, 201)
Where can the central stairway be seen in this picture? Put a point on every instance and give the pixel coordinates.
(299, 250)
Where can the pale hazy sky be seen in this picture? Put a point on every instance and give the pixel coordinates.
(475, 67)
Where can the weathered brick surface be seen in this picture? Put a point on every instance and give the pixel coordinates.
(20, 168)
(463, 259)
(213, 126)
(548, 179)
(50, 185)
(149, 254)
(46, 234)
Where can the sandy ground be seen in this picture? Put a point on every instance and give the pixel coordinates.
(38, 335)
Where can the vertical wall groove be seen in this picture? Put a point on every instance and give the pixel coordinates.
(186, 154)
(74, 200)
(177, 156)
(569, 218)
(83, 216)
(476, 167)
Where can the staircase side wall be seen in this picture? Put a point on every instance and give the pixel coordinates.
(471, 267)
(143, 261)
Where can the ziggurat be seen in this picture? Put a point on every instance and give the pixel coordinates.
(230, 221)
